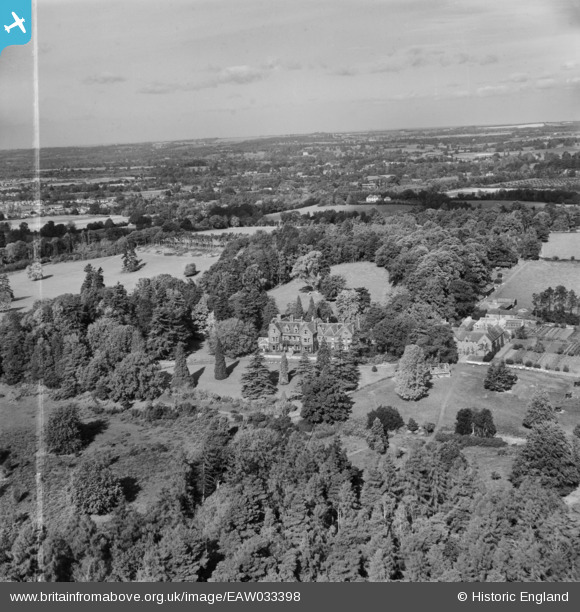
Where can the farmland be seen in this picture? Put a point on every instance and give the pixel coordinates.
(357, 274)
(531, 277)
(563, 245)
(67, 277)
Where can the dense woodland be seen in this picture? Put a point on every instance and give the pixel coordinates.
(263, 499)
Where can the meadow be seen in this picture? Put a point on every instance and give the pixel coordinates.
(530, 277)
(357, 274)
(563, 245)
(67, 277)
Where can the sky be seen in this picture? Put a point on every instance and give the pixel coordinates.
(137, 70)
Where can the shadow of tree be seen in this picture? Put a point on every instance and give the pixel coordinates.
(232, 366)
(130, 488)
(197, 375)
(89, 431)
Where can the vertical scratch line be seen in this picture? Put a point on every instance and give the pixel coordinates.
(37, 197)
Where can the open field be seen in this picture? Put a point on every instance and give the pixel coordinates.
(384, 209)
(67, 277)
(530, 277)
(80, 221)
(357, 274)
(465, 390)
(563, 245)
(239, 230)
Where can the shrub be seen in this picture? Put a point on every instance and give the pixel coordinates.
(517, 346)
(374, 369)
(537, 366)
(95, 490)
(556, 369)
(63, 433)
(565, 369)
(528, 364)
(429, 427)
(576, 431)
(547, 366)
(412, 425)
(495, 476)
(190, 270)
(509, 361)
(388, 416)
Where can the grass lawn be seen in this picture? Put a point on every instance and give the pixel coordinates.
(67, 277)
(530, 277)
(465, 390)
(563, 245)
(358, 274)
(201, 365)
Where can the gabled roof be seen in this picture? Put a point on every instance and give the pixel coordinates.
(494, 332)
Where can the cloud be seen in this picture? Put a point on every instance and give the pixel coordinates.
(348, 72)
(105, 78)
(230, 75)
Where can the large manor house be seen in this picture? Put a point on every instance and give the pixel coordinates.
(294, 335)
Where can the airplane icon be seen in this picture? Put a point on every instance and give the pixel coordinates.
(17, 22)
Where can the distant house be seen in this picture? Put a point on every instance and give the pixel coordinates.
(499, 303)
(479, 342)
(299, 336)
(373, 198)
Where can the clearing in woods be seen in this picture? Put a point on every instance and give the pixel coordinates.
(68, 276)
(357, 274)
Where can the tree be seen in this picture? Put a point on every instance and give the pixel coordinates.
(6, 293)
(63, 433)
(310, 268)
(181, 375)
(95, 490)
(220, 369)
(548, 457)
(323, 356)
(483, 425)
(283, 378)
(390, 418)
(377, 439)
(413, 376)
(499, 378)
(324, 311)
(345, 368)
(304, 371)
(130, 261)
(324, 400)
(539, 410)
(34, 271)
(332, 285)
(237, 337)
(464, 422)
(311, 312)
(256, 382)
(136, 377)
(298, 309)
(348, 306)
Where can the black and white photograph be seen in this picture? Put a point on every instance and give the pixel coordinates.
(290, 293)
